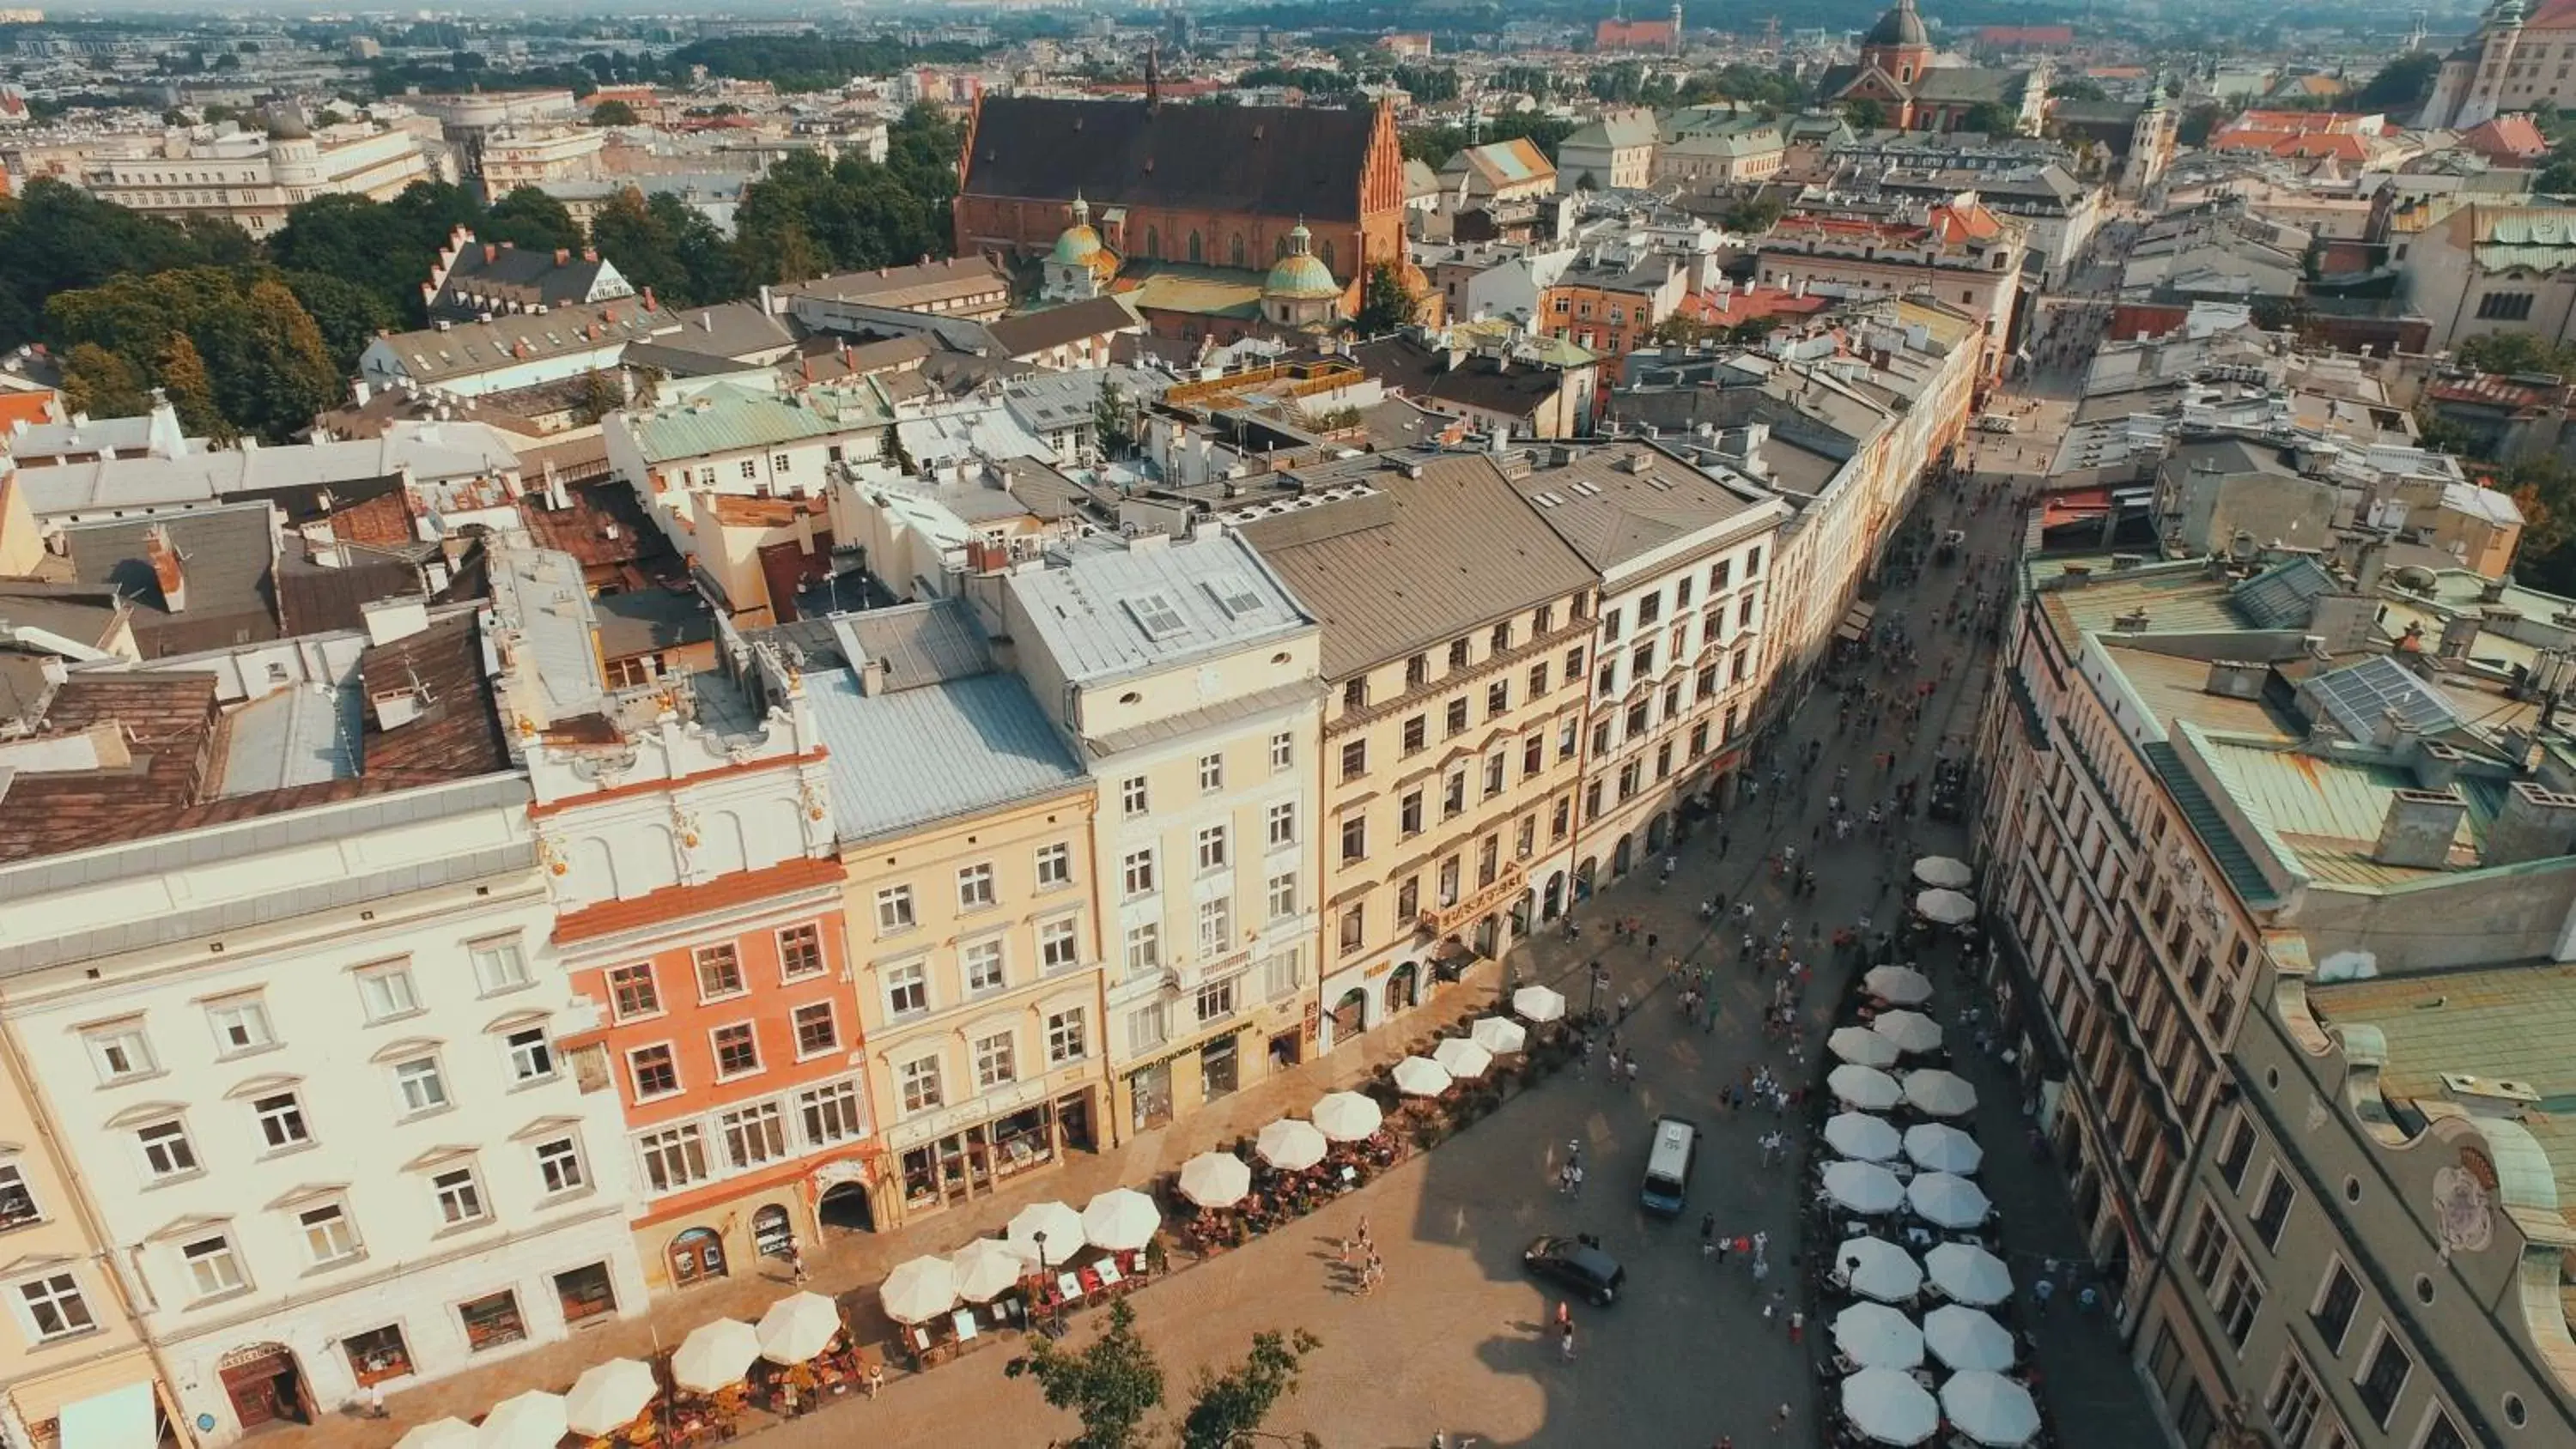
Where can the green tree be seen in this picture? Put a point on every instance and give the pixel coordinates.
(1110, 1385)
(1864, 114)
(1227, 1409)
(2517, 352)
(613, 113)
(2401, 85)
(103, 384)
(2077, 88)
(191, 391)
(288, 376)
(1992, 119)
(1113, 421)
(530, 219)
(349, 315)
(1755, 213)
(1386, 304)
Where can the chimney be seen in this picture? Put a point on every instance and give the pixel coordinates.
(2535, 824)
(169, 570)
(648, 299)
(872, 678)
(393, 620)
(2236, 678)
(2458, 633)
(2418, 829)
(491, 254)
(563, 256)
(590, 254)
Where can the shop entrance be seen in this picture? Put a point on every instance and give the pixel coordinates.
(771, 1237)
(1554, 901)
(1403, 991)
(264, 1386)
(696, 1256)
(1350, 1015)
(1073, 1121)
(1151, 1092)
(845, 1206)
(1283, 1051)
(1220, 1068)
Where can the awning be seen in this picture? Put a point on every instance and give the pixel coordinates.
(118, 1419)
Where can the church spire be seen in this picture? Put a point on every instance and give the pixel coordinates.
(1153, 75)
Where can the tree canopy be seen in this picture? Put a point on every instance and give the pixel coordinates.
(612, 113)
(1114, 1384)
(2402, 85)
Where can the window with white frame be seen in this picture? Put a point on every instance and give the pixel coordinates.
(1136, 871)
(1066, 1040)
(499, 964)
(1055, 866)
(907, 988)
(241, 1024)
(1211, 774)
(214, 1269)
(754, 1134)
(2295, 1401)
(459, 1195)
(329, 1236)
(673, 1157)
(281, 1121)
(919, 1079)
(1280, 972)
(385, 992)
(1280, 824)
(719, 972)
(975, 887)
(737, 1049)
(894, 909)
(1216, 999)
(816, 1030)
(167, 1152)
(120, 1051)
(1145, 1027)
(418, 1082)
(1144, 949)
(1059, 944)
(1131, 795)
(996, 1063)
(559, 1165)
(54, 1306)
(800, 952)
(1283, 895)
(632, 994)
(532, 1057)
(1211, 849)
(17, 1202)
(982, 961)
(1283, 751)
(832, 1113)
(1216, 925)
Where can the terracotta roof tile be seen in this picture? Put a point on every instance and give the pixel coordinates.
(674, 902)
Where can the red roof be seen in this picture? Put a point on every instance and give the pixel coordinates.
(677, 902)
(1747, 303)
(2027, 35)
(2506, 138)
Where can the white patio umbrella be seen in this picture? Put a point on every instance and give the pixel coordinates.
(1943, 1094)
(533, 1420)
(1215, 1179)
(987, 1268)
(1939, 1147)
(1863, 1187)
(1943, 871)
(1422, 1077)
(1498, 1034)
(1864, 1087)
(1121, 1220)
(1874, 1335)
(1990, 1409)
(918, 1290)
(1345, 1116)
(1947, 1199)
(1538, 1003)
(1968, 1274)
(447, 1433)
(1862, 1137)
(1862, 1047)
(1060, 1225)
(1290, 1144)
(1949, 908)
(716, 1355)
(1462, 1058)
(1890, 1407)
(1912, 1031)
(797, 1327)
(608, 1396)
(1967, 1339)
(1901, 984)
(1876, 1268)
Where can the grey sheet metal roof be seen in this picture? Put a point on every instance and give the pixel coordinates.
(1611, 515)
(1113, 607)
(540, 593)
(301, 735)
(2216, 835)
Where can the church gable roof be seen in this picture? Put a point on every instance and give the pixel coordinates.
(1265, 160)
(1970, 85)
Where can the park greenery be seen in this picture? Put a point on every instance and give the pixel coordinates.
(270, 327)
(1115, 1384)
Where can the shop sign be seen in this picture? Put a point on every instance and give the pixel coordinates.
(1185, 1049)
(969, 1114)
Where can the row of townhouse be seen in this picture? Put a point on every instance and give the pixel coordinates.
(387, 1002)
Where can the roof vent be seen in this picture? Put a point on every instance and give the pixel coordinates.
(2489, 1096)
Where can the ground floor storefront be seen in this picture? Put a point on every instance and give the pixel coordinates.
(1214, 1061)
(969, 1152)
(326, 1352)
(113, 1401)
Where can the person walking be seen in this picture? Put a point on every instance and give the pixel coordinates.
(1707, 1236)
(1797, 1324)
(2041, 1291)
(1780, 1420)
(1565, 1341)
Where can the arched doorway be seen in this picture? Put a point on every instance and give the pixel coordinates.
(264, 1385)
(1655, 829)
(771, 1237)
(696, 1256)
(1583, 875)
(1624, 856)
(1403, 989)
(1350, 1015)
(1488, 939)
(1553, 903)
(845, 1205)
(1521, 914)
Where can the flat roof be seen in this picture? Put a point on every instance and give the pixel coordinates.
(1113, 607)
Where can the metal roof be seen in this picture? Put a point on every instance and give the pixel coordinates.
(2325, 813)
(2283, 596)
(910, 757)
(2216, 835)
(2359, 695)
(728, 418)
(1114, 607)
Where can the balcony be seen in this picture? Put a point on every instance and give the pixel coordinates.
(1507, 887)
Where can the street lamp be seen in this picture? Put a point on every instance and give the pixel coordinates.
(1040, 1237)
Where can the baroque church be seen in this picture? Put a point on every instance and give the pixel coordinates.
(1900, 72)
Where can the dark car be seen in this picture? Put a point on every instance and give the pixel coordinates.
(1578, 1265)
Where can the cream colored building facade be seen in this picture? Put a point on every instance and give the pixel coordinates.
(254, 180)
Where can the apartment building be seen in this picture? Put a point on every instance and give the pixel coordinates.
(1682, 557)
(1456, 655)
(292, 1014)
(698, 918)
(539, 157)
(1187, 676)
(254, 179)
(1606, 305)
(1957, 252)
(965, 832)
